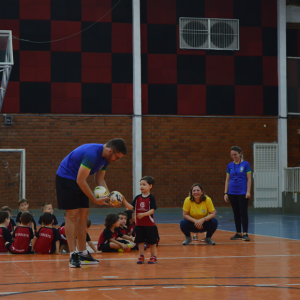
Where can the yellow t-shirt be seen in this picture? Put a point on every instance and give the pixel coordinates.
(198, 210)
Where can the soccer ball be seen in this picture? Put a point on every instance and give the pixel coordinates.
(115, 198)
(99, 191)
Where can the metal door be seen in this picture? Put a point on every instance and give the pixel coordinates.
(266, 175)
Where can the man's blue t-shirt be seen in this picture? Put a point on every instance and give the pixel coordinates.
(238, 177)
(88, 156)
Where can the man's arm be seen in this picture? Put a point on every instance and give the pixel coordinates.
(99, 179)
(82, 176)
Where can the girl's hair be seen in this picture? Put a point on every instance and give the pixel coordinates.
(110, 220)
(237, 149)
(203, 196)
(129, 214)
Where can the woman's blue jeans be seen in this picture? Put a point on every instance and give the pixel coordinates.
(209, 227)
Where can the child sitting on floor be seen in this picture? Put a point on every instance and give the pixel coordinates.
(5, 235)
(63, 239)
(108, 238)
(12, 225)
(22, 236)
(47, 207)
(23, 206)
(47, 238)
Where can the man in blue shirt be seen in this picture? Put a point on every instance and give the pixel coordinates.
(74, 193)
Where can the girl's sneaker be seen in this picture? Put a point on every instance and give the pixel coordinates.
(246, 238)
(195, 237)
(141, 259)
(236, 237)
(152, 260)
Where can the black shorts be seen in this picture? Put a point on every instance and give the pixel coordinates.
(148, 234)
(69, 194)
(106, 248)
(8, 249)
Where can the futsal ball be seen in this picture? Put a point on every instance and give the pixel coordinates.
(99, 191)
(115, 198)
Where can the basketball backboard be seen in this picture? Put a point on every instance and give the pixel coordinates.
(6, 61)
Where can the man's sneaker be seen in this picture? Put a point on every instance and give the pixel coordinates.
(152, 260)
(246, 238)
(141, 259)
(195, 237)
(209, 241)
(74, 261)
(187, 241)
(236, 237)
(88, 259)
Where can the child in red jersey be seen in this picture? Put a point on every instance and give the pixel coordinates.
(23, 206)
(130, 222)
(47, 207)
(108, 238)
(146, 231)
(123, 228)
(64, 243)
(46, 240)
(22, 236)
(5, 235)
(12, 225)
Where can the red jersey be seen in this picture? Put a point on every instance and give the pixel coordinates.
(5, 236)
(141, 205)
(107, 234)
(130, 229)
(11, 225)
(62, 234)
(123, 230)
(22, 235)
(46, 238)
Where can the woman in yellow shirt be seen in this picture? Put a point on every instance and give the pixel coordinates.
(198, 215)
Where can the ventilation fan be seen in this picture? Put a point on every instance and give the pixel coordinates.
(217, 34)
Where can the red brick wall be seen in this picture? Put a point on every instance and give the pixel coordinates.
(181, 151)
(293, 141)
(177, 151)
(48, 140)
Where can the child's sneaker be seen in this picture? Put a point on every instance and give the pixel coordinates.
(195, 237)
(152, 260)
(141, 259)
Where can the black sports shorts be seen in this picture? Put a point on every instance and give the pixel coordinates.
(69, 194)
(148, 234)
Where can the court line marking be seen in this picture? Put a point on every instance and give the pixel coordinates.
(157, 285)
(50, 291)
(173, 287)
(142, 287)
(112, 289)
(293, 284)
(147, 278)
(275, 237)
(76, 290)
(110, 276)
(7, 293)
(205, 286)
(266, 284)
(162, 258)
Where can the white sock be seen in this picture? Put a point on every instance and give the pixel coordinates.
(84, 252)
(72, 253)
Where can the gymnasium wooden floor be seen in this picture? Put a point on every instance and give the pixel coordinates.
(264, 268)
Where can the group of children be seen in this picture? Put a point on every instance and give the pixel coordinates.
(124, 231)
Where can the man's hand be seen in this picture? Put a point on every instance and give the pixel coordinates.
(102, 201)
(140, 216)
